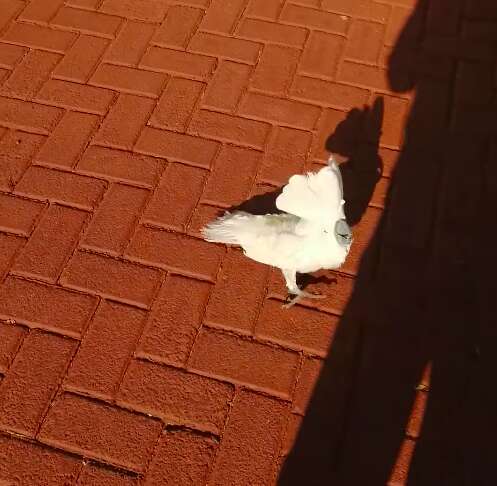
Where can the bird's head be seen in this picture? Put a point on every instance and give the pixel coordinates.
(343, 233)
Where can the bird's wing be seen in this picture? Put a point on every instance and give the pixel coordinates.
(313, 196)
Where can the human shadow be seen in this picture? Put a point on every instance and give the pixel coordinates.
(425, 294)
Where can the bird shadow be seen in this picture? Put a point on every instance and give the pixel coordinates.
(357, 138)
(306, 279)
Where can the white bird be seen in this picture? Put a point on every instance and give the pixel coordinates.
(311, 233)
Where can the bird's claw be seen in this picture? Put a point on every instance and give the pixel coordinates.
(300, 295)
(291, 302)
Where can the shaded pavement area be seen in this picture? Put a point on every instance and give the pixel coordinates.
(132, 352)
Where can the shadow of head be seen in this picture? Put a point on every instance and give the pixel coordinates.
(359, 128)
(357, 138)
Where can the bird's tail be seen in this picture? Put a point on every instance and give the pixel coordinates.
(226, 229)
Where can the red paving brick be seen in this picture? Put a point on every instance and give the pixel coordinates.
(285, 155)
(32, 381)
(120, 131)
(240, 360)
(306, 382)
(61, 186)
(182, 455)
(239, 286)
(11, 339)
(80, 61)
(31, 463)
(67, 142)
(18, 215)
(131, 351)
(226, 88)
(28, 116)
(220, 187)
(94, 475)
(111, 277)
(122, 437)
(9, 246)
(180, 188)
(122, 203)
(175, 107)
(303, 329)
(176, 396)
(180, 299)
(59, 228)
(130, 167)
(106, 349)
(178, 26)
(251, 441)
(47, 306)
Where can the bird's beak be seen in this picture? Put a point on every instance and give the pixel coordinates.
(343, 232)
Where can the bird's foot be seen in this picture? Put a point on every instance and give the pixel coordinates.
(302, 294)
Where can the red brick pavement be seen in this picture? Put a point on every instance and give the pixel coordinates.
(131, 351)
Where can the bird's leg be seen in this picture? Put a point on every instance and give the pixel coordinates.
(291, 281)
(291, 285)
(293, 289)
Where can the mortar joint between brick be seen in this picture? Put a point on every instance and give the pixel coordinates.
(24, 335)
(18, 251)
(82, 465)
(204, 312)
(196, 109)
(240, 16)
(222, 430)
(188, 222)
(75, 246)
(197, 26)
(260, 307)
(57, 391)
(295, 70)
(138, 221)
(132, 355)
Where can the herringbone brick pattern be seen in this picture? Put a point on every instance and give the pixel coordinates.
(131, 351)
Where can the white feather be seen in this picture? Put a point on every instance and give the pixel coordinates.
(304, 237)
(241, 228)
(313, 196)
